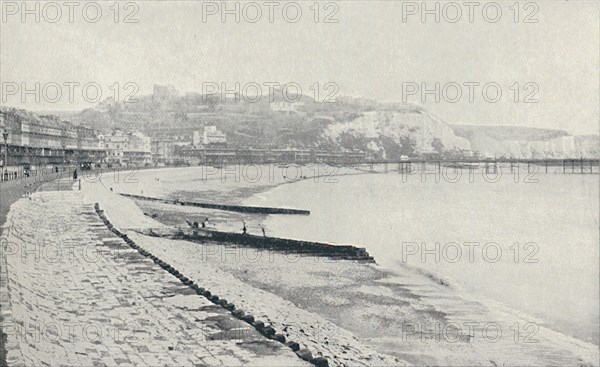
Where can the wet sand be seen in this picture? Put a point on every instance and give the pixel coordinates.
(396, 313)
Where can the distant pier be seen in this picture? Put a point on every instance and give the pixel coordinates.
(566, 166)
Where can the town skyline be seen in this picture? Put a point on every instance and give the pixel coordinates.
(264, 99)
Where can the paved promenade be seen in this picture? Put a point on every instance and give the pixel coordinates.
(75, 294)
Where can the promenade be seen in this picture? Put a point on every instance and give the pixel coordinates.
(73, 293)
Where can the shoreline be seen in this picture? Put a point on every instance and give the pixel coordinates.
(125, 213)
(138, 314)
(448, 274)
(250, 274)
(241, 195)
(357, 311)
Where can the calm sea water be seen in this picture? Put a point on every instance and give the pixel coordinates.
(532, 247)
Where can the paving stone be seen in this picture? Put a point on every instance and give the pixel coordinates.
(100, 303)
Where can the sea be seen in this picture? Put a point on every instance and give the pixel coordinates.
(517, 240)
(530, 243)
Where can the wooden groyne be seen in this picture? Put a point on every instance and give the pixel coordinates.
(231, 208)
(343, 252)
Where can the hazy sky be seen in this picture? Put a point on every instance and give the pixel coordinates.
(369, 52)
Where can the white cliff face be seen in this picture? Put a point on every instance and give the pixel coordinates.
(560, 147)
(526, 142)
(441, 130)
(589, 145)
(555, 148)
(499, 141)
(413, 122)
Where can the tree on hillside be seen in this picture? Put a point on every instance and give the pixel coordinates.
(407, 146)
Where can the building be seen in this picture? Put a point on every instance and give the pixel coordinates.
(196, 138)
(163, 150)
(286, 107)
(212, 135)
(127, 149)
(137, 150)
(163, 93)
(86, 137)
(114, 145)
(357, 101)
(44, 140)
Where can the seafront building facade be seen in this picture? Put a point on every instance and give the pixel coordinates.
(30, 141)
(163, 150)
(46, 142)
(212, 135)
(125, 149)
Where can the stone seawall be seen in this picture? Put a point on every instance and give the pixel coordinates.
(77, 294)
(264, 329)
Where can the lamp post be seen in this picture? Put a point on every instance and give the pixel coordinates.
(5, 166)
(64, 146)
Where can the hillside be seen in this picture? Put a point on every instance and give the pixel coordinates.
(383, 130)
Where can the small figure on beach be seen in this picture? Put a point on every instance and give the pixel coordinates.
(75, 174)
(244, 229)
(203, 224)
(263, 231)
(195, 224)
(111, 189)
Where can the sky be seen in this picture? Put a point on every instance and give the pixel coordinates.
(545, 53)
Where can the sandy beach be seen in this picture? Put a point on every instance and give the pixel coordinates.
(404, 317)
(351, 313)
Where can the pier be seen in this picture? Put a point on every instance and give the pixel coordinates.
(410, 165)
